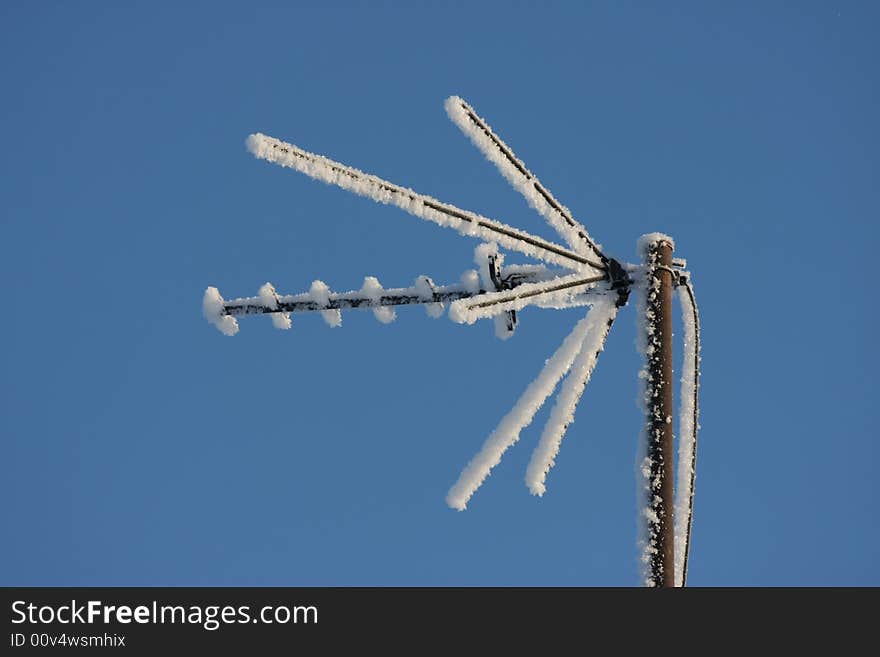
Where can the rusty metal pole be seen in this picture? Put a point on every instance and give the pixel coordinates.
(659, 429)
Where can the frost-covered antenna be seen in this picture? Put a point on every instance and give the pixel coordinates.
(577, 273)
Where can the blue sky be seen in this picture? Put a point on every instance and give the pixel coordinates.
(140, 446)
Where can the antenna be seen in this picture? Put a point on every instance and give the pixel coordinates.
(576, 274)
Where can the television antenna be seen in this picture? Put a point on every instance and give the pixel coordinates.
(578, 273)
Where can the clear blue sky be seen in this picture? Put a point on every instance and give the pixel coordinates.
(140, 446)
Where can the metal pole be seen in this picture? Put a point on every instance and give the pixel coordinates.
(659, 286)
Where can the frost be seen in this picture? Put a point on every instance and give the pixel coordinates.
(519, 417)
(435, 310)
(688, 426)
(502, 332)
(213, 308)
(470, 279)
(373, 290)
(681, 508)
(545, 292)
(516, 173)
(267, 296)
(598, 324)
(269, 300)
(482, 256)
(457, 313)
(647, 344)
(281, 320)
(465, 222)
(647, 239)
(320, 294)
(425, 289)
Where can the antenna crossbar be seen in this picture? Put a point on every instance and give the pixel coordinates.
(517, 277)
(520, 294)
(344, 301)
(466, 222)
(560, 290)
(515, 170)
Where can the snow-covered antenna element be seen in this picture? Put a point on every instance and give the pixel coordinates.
(524, 181)
(418, 205)
(574, 275)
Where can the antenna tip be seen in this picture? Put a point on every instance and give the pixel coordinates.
(453, 101)
(214, 309)
(646, 240)
(254, 143)
(457, 501)
(454, 107)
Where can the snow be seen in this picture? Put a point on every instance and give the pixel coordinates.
(687, 423)
(578, 300)
(520, 416)
(281, 321)
(373, 291)
(467, 223)
(320, 298)
(536, 272)
(435, 310)
(470, 279)
(458, 313)
(516, 173)
(562, 416)
(482, 255)
(649, 238)
(320, 294)
(425, 288)
(502, 332)
(468, 311)
(213, 307)
(268, 297)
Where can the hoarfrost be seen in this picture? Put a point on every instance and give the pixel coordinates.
(425, 288)
(598, 324)
(482, 255)
(520, 416)
(687, 423)
(212, 308)
(268, 297)
(320, 293)
(470, 279)
(281, 320)
(516, 173)
(373, 290)
(650, 238)
(467, 223)
(502, 331)
(468, 311)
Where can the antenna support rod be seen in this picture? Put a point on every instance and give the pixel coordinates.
(659, 428)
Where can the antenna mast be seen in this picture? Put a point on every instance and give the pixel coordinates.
(659, 460)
